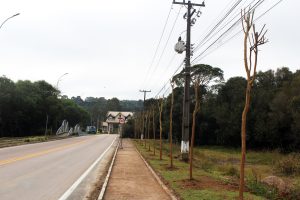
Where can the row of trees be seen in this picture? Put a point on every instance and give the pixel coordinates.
(25, 107)
(272, 123)
(273, 120)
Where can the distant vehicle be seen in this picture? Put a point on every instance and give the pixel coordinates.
(91, 129)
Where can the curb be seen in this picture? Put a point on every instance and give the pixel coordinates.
(165, 188)
(102, 192)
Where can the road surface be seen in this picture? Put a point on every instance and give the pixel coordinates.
(47, 170)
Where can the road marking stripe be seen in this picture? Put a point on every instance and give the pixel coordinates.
(33, 155)
(79, 180)
(101, 195)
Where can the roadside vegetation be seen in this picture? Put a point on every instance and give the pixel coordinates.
(271, 168)
(15, 141)
(216, 172)
(26, 107)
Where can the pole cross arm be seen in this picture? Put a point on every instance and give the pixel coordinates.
(187, 3)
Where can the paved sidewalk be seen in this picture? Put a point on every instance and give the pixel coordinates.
(131, 179)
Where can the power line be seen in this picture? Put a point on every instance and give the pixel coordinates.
(211, 34)
(165, 46)
(181, 64)
(236, 34)
(160, 39)
(220, 22)
(202, 53)
(227, 30)
(258, 3)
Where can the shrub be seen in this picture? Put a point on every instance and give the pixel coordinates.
(229, 170)
(258, 188)
(290, 165)
(206, 165)
(232, 171)
(255, 185)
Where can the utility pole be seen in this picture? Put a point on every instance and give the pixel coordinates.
(145, 92)
(186, 98)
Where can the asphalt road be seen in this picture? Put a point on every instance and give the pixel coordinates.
(47, 170)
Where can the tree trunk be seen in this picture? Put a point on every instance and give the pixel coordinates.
(145, 132)
(160, 129)
(243, 142)
(153, 124)
(196, 109)
(143, 127)
(171, 127)
(148, 132)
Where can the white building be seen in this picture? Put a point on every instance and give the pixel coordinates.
(114, 119)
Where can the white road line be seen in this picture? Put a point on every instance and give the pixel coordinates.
(101, 195)
(79, 180)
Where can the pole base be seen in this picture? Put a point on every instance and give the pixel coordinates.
(185, 151)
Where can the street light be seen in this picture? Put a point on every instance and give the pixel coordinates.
(8, 19)
(60, 79)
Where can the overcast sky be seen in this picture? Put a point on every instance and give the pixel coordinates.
(107, 47)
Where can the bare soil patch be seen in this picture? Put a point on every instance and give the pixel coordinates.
(208, 182)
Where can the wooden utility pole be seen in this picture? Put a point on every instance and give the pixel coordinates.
(187, 80)
(145, 92)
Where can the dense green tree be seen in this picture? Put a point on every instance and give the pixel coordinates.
(7, 106)
(25, 107)
(227, 109)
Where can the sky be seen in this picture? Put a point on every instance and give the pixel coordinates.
(107, 48)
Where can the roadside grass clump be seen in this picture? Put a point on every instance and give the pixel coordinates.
(207, 165)
(255, 186)
(289, 165)
(36, 139)
(263, 157)
(209, 181)
(229, 170)
(293, 194)
(261, 189)
(203, 162)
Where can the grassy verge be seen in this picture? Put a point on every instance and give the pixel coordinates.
(8, 142)
(216, 173)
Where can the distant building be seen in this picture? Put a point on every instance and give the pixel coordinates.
(104, 127)
(114, 119)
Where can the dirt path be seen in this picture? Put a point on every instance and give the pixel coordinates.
(131, 179)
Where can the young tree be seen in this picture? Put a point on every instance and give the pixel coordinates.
(148, 129)
(201, 76)
(153, 128)
(256, 39)
(140, 125)
(171, 124)
(160, 107)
